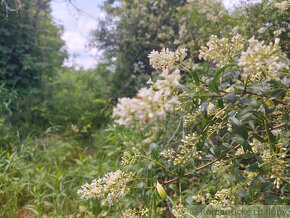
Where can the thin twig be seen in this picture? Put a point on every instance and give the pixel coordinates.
(278, 126)
(169, 208)
(172, 135)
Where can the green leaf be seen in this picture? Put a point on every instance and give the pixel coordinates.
(231, 97)
(154, 150)
(270, 135)
(269, 106)
(278, 93)
(193, 171)
(203, 122)
(253, 168)
(195, 77)
(253, 184)
(270, 198)
(255, 135)
(217, 151)
(161, 191)
(239, 127)
(180, 171)
(267, 186)
(212, 85)
(173, 187)
(246, 146)
(220, 103)
(243, 194)
(49, 186)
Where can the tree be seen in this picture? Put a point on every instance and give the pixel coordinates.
(31, 51)
(130, 31)
(26, 38)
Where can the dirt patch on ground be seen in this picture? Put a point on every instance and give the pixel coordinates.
(24, 213)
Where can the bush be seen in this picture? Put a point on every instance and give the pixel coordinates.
(233, 144)
(77, 102)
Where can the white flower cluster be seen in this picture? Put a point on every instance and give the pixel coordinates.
(250, 176)
(112, 186)
(133, 213)
(170, 80)
(190, 118)
(221, 166)
(262, 30)
(221, 51)
(150, 104)
(278, 32)
(224, 197)
(282, 6)
(275, 165)
(179, 210)
(257, 146)
(161, 210)
(187, 150)
(130, 158)
(166, 58)
(260, 58)
(212, 18)
(199, 198)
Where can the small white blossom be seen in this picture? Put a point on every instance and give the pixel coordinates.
(278, 32)
(224, 197)
(235, 30)
(199, 198)
(112, 186)
(134, 213)
(187, 150)
(282, 6)
(262, 30)
(210, 107)
(179, 210)
(151, 104)
(221, 51)
(130, 158)
(166, 59)
(260, 58)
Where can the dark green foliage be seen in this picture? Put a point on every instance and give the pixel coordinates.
(130, 31)
(78, 98)
(18, 54)
(27, 53)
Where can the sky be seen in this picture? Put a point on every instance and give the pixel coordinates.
(77, 27)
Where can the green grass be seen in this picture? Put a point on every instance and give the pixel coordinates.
(41, 176)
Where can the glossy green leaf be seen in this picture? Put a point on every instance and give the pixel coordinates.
(239, 127)
(213, 85)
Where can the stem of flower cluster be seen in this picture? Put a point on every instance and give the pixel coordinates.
(156, 162)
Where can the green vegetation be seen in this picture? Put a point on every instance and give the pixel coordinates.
(210, 127)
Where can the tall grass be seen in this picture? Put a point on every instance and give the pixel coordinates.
(41, 176)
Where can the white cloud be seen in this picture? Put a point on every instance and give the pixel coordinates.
(76, 31)
(85, 26)
(74, 41)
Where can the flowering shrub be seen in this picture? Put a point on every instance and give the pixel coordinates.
(228, 140)
(150, 104)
